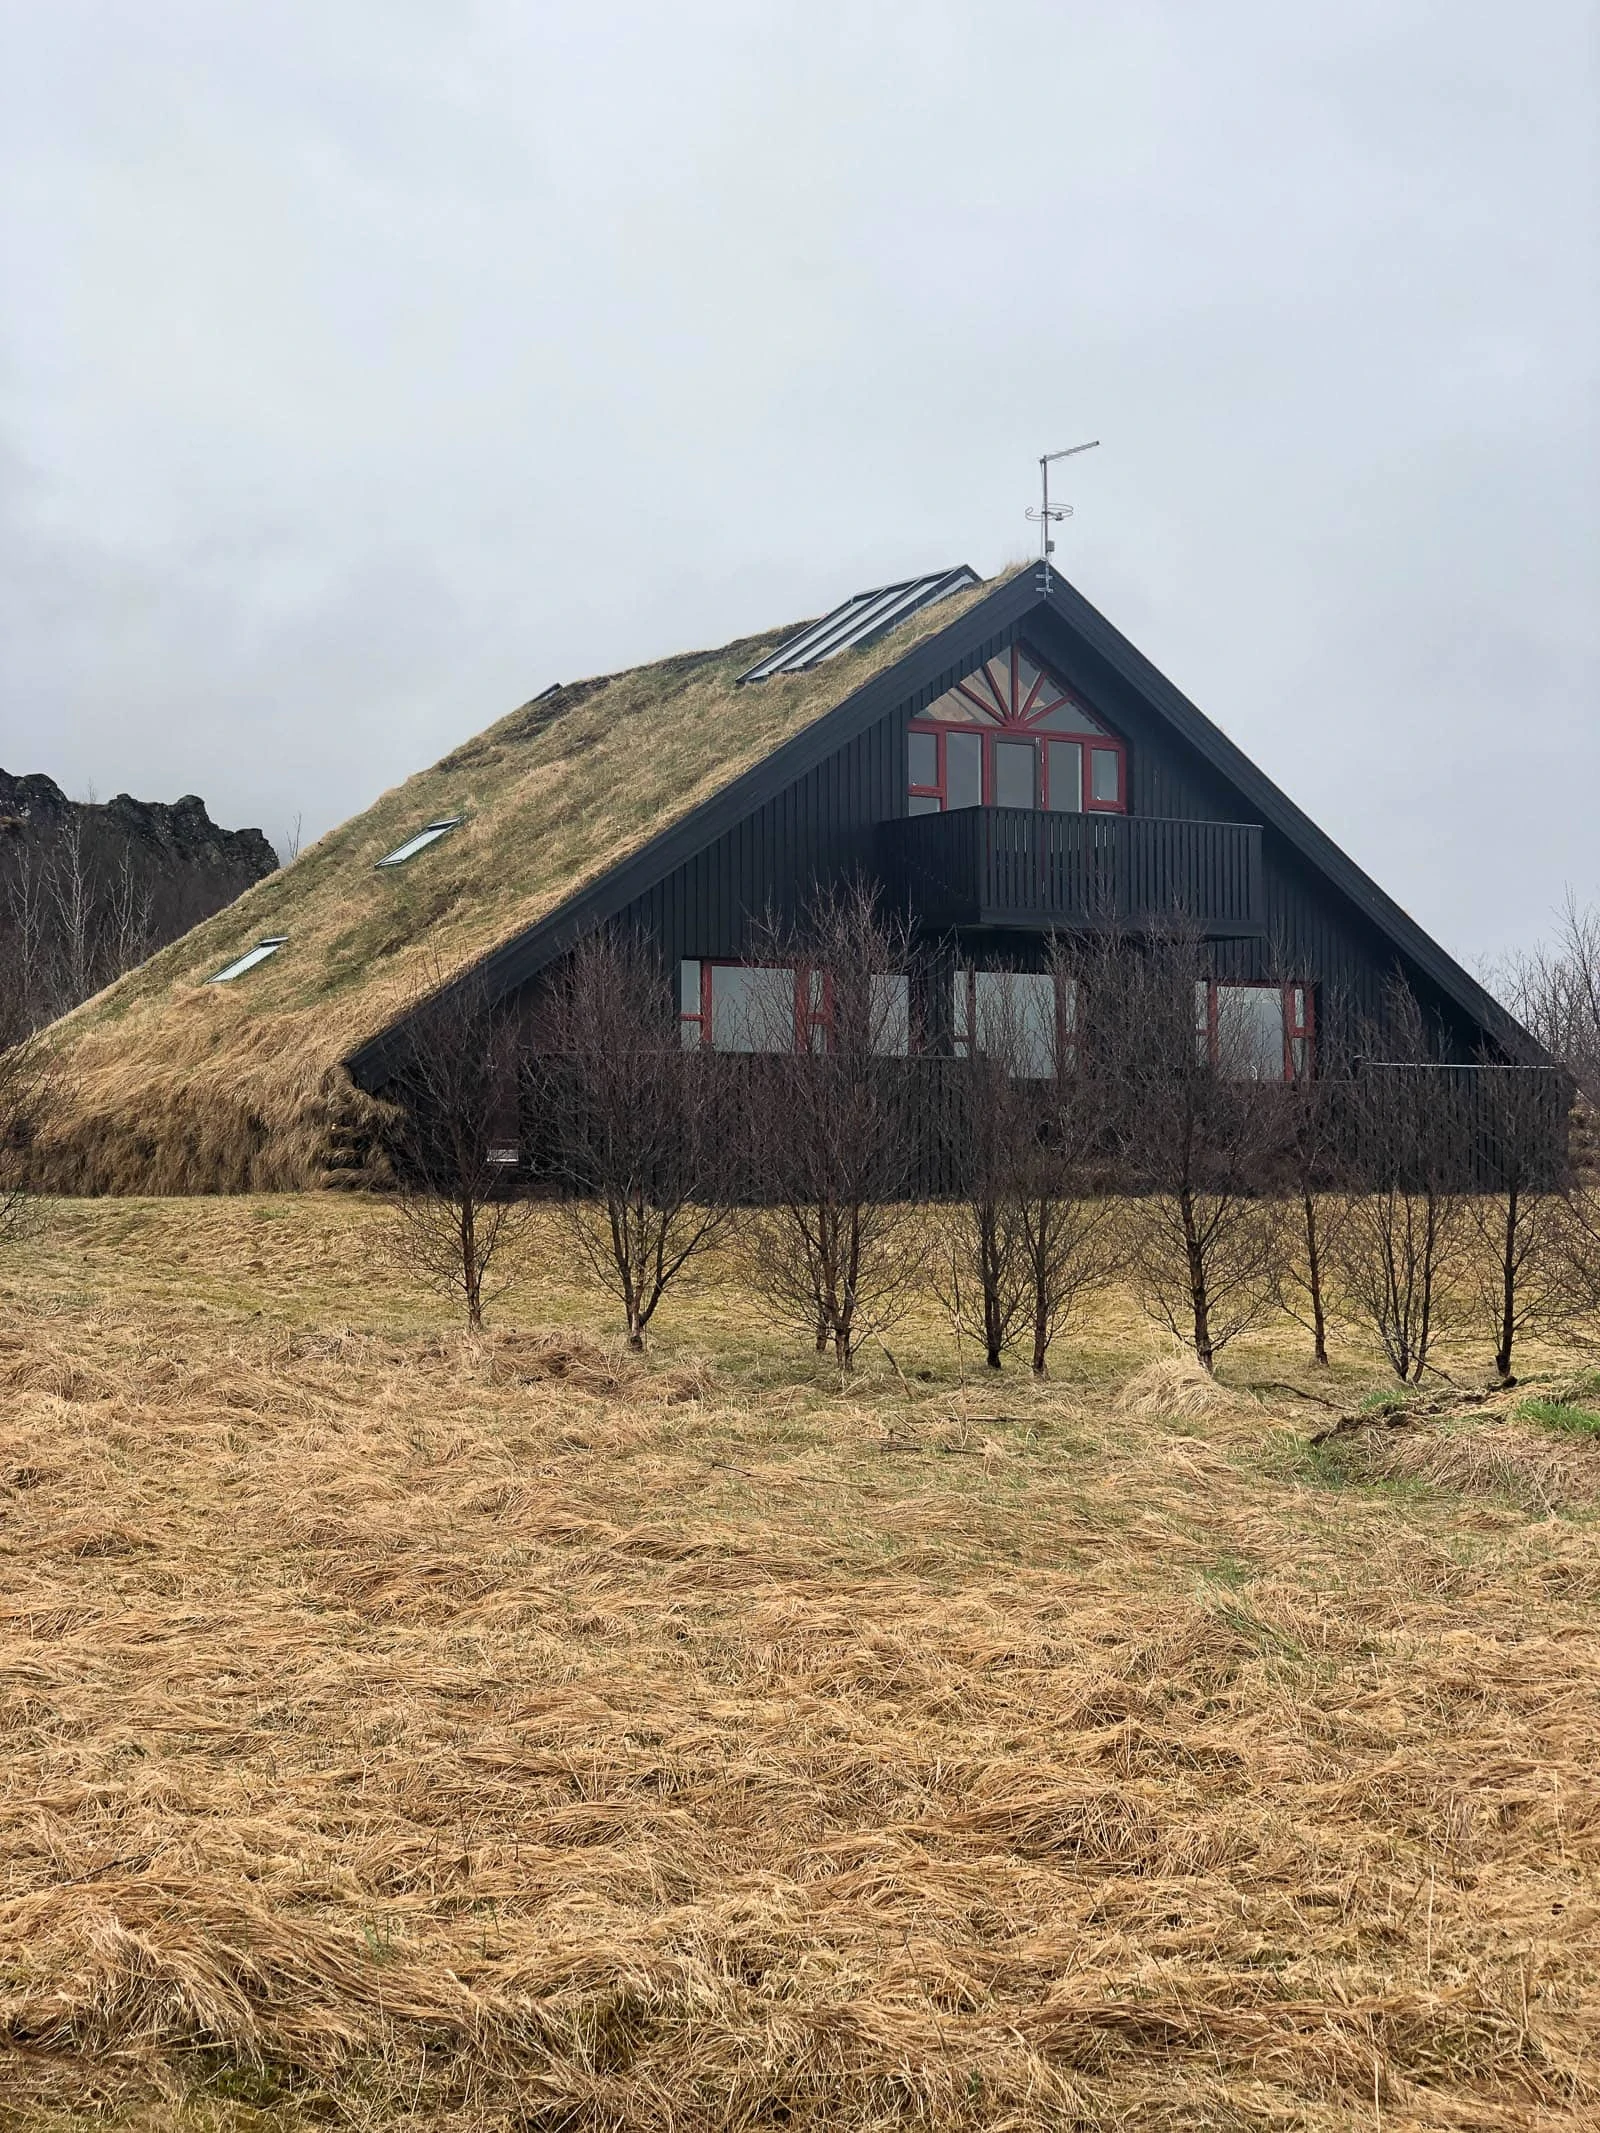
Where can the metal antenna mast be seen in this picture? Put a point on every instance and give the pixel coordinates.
(1048, 514)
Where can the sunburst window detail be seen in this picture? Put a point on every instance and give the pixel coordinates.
(1010, 735)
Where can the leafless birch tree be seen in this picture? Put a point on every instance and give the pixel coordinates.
(836, 1245)
(641, 1137)
(1555, 992)
(30, 1084)
(1202, 1134)
(1401, 1255)
(453, 1143)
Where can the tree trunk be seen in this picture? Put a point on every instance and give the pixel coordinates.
(1508, 1291)
(1199, 1295)
(471, 1272)
(1319, 1322)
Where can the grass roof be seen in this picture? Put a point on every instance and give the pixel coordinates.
(172, 1084)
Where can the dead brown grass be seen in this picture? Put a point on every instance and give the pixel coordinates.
(407, 1731)
(177, 1086)
(1483, 1454)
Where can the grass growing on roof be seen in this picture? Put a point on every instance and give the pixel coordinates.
(179, 1086)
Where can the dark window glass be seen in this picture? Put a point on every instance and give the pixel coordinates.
(1105, 772)
(1014, 773)
(1064, 762)
(922, 758)
(923, 803)
(963, 770)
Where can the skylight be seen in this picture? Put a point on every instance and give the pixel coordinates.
(258, 954)
(421, 841)
(862, 619)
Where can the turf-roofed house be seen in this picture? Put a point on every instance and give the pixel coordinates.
(995, 755)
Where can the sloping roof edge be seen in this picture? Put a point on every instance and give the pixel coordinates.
(520, 958)
(1279, 812)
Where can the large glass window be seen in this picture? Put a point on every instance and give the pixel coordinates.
(1063, 777)
(1254, 1032)
(999, 738)
(1015, 1015)
(963, 770)
(745, 1007)
(1014, 773)
(891, 1016)
(752, 1008)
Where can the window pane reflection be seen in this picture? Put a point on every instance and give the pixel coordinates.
(752, 1010)
(1064, 777)
(963, 770)
(1013, 774)
(1249, 1032)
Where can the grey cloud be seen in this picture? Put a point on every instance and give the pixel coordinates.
(364, 368)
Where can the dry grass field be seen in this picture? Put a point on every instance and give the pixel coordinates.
(403, 1732)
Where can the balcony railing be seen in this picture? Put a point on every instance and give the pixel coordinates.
(1014, 866)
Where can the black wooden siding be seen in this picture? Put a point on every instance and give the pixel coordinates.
(821, 826)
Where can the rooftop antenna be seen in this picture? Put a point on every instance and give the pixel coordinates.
(1048, 514)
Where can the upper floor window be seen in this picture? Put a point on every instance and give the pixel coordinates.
(1254, 1032)
(1009, 735)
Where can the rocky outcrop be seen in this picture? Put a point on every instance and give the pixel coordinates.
(89, 888)
(179, 835)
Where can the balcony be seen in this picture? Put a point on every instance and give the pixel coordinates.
(1013, 866)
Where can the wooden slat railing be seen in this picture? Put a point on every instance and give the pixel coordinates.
(1020, 867)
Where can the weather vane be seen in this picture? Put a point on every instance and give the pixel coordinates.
(1048, 514)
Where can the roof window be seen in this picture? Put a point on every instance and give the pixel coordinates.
(258, 954)
(862, 619)
(421, 841)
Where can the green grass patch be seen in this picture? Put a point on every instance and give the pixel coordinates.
(1561, 1414)
(1388, 1399)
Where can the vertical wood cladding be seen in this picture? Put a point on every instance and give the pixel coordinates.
(820, 828)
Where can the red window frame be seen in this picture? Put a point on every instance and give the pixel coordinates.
(808, 1018)
(1066, 997)
(1297, 1029)
(1018, 726)
(813, 1003)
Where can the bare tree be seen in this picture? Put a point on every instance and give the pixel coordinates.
(1555, 991)
(23, 1001)
(828, 1127)
(71, 887)
(1316, 1112)
(73, 921)
(1518, 1225)
(1202, 1132)
(30, 1084)
(1401, 1252)
(453, 1143)
(640, 1135)
(984, 1280)
(1071, 1242)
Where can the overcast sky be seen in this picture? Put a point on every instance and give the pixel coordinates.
(366, 365)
